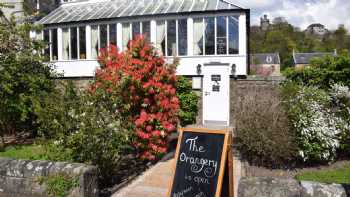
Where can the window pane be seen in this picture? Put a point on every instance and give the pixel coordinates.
(54, 44)
(233, 34)
(160, 43)
(126, 35)
(94, 41)
(221, 39)
(171, 39)
(113, 34)
(209, 36)
(103, 36)
(82, 43)
(65, 46)
(74, 42)
(182, 36)
(198, 36)
(146, 29)
(136, 31)
(47, 44)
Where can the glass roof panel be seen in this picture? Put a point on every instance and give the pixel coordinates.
(223, 5)
(163, 7)
(88, 11)
(121, 6)
(129, 9)
(140, 7)
(175, 6)
(99, 9)
(60, 16)
(199, 5)
(108, 10)
(50, 16)
(117, 8)
(73, 13)
(211, 5)
(186, 6)
(77, 13)
(151, 8)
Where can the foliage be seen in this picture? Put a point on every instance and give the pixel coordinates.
(264, 132)
(284, 38)
(142, 88)
(323, 72)
(59, 185)
(340, 95)
(24, 79)
(315, 121)
(188, 101)
(339, 175)
(53, 113)
(85, 128)
(37, 151)
(31, 152)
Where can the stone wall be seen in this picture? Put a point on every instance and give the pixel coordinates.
(241, 87)
(272, 187)
(20, 177)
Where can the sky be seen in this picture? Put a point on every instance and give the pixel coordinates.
(301, 13)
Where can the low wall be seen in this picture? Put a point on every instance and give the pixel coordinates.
(20, 177)
(272, 187)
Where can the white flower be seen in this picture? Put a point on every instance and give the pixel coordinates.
(340, 91)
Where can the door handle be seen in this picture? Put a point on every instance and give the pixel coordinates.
(206, 93)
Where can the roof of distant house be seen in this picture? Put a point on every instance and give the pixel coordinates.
(107, 9)
(316, 25)
(265, 58)
(305, 58)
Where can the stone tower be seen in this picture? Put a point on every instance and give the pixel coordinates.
(264, 23)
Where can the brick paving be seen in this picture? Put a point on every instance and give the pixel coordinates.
(152, 183)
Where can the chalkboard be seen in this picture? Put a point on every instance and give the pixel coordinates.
(200, 163)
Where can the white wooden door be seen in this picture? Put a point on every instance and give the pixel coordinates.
(216, 95)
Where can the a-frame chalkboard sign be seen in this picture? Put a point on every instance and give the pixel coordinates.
(202, 166)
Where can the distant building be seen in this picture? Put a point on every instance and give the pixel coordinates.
(264, 23)
(303, 59)
(279, 20)
(316, 29)
(266, 64)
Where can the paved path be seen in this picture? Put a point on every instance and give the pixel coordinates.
(153, 183)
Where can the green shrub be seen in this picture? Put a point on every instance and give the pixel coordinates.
(315, 120)
(59, 185)
(188, 101)
(24, 79)
(86, 128)
(323, 72)
(53, 113)
(264, 132)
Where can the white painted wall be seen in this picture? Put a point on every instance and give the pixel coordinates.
(188, 64)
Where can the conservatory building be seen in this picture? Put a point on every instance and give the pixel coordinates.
(210, 38)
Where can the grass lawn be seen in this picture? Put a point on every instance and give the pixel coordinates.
(339, 175)
(32, 152)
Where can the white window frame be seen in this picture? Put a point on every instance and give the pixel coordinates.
(140, 21)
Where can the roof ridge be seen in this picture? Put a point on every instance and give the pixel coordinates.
(232, 4)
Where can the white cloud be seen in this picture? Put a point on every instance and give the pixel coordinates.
(302, 13)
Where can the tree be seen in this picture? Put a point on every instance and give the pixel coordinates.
(24, 79)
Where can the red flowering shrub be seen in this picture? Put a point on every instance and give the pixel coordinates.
(142, 87)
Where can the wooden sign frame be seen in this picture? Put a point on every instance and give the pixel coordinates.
(226, 158)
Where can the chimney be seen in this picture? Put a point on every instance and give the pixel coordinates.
(37, 6)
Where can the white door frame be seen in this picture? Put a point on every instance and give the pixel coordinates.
(203, 91)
